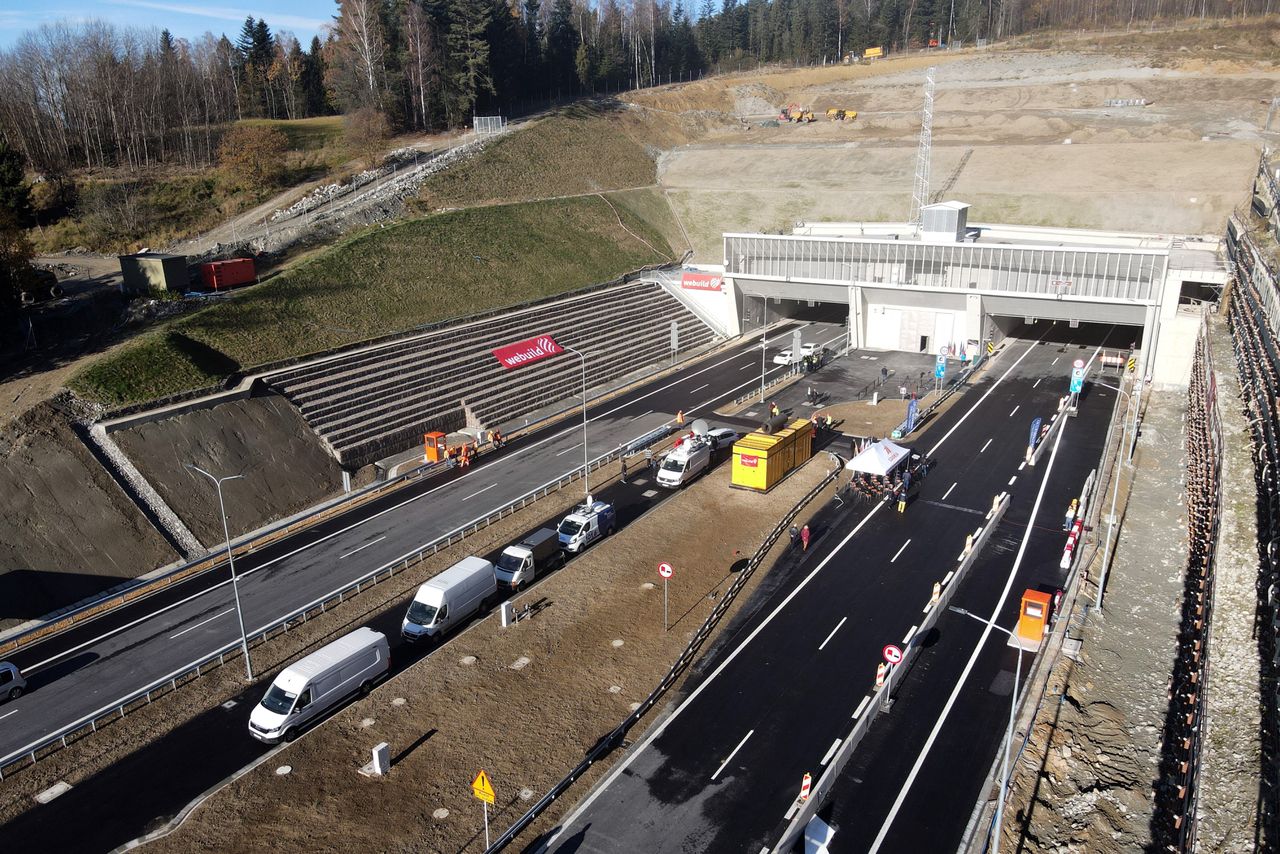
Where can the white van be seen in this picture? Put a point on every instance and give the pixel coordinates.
(684, 463)
(306, 689)
(450, 599)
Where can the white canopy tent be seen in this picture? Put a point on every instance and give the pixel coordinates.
(881, 458)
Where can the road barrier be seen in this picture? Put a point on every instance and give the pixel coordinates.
(28, 755)
(611, 740)
(881, 696)
(902, 430)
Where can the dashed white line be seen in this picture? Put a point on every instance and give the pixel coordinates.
(1015, 409)
(568, 449)
(1011, 480)
(904, 546)
(831, 751)
(365, 546)
(1054, 362)
(478, 491)
(948, 492)
(6, 714)
(201, 623)
(699, 388)
(1036, 383)
(1022, 465)
(745, 367)
(731, 755)
(833, 633)
(984, 447)
(906, 639)
(638, 417)
(858, 711)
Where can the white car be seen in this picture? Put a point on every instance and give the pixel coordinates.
(721, 437)
(784, 358)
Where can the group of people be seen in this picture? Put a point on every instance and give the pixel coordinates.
(880, 486)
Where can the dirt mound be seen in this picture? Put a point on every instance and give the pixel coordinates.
(67, 531)
(285, 467)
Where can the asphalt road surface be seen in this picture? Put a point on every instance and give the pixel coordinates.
(721, 772)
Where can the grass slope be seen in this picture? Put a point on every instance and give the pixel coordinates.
(584, 148)
(421, 271)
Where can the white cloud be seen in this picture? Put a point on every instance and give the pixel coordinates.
(227, 14)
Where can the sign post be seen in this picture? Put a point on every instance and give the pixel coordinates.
(665, 570)
(481, 788)
(939, 371)
(675, 341)
(892, 656)
(1077, 382)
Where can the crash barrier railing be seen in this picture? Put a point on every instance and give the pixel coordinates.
(1174, 824)
(611, 740)
(955, 385)
(1253, 323)
(889, 679)
(51, 743)
(780, 378)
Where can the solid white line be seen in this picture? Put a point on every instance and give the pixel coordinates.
(899, 551)
(858, 711)
(362, 548)
(731, 755)
(201, 623)
(831, 751)
(1015, 409)
(833, 633)
(568, 449)
(699, 388)
(6, 714)
(660, 729)
(478, 491)
(948, 492)
(984, 447)
(964, 676)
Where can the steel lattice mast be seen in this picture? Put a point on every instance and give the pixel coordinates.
(920, 192)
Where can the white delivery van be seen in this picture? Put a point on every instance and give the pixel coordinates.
(519, 564)
(306, 689)
(450, 599)
(586, 524)
(684, 463)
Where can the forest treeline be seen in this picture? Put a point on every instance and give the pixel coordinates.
(95, 95)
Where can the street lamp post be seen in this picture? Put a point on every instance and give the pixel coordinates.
(1008, 735)
(586, 457)
(235, 582)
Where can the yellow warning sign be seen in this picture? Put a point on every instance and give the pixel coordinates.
(482, 788)
(873, 53)
(991, 347)
(1133, 364)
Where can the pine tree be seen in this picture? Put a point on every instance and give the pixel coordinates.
(562, 47)
(467, 75)
(15, 192)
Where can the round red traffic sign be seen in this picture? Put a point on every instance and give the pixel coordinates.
(665, 570)
(892, 654)
(1078, 363)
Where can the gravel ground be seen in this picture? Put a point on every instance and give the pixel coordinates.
(523, 704)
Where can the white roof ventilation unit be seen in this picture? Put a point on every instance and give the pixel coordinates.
(944, 222)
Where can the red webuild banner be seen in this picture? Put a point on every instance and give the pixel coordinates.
(526, 352)
(701, 281)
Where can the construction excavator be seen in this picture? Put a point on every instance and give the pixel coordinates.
(793, 113)
(838, 115)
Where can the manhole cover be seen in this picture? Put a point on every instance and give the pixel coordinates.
(441, 814)
(520, 663)
(467, 659)
(617, 643)
(615, 689)
(526, 794)
(398, 701)
(229, 704)
(283, 769)
(367, 722)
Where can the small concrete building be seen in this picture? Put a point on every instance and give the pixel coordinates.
(146, 272)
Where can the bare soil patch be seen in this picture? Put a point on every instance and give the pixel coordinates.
(467, 707)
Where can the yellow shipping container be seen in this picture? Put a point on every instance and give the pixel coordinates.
(761, 460)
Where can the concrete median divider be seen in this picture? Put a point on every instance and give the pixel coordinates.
(881, 696)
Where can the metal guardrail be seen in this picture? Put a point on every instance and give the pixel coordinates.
(961, 378)
(780, 378)
(50, 743)
(612, 739)
(877, 701)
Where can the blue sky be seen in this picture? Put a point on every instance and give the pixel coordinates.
(184, 18)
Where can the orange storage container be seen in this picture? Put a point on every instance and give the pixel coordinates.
(220, 275)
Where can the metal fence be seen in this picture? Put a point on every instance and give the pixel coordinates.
(488, 125)
(614, 738)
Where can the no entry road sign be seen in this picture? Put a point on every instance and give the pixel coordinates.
(892, 654)
(665, 570)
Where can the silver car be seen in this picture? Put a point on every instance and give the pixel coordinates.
(11, 682)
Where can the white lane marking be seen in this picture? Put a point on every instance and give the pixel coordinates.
(1036, 383)
(1022, 465)
(568, 449)
(1055, 361)
(964, 676)
(745, 367)
(1011, 480)
(659, 730)
(1015, 409)
(995, 385)
(911, 632)
(6, 714)
(833, 633)
(731, 755)
(904, 546)
(984, 447)
(478, 491)
(831, 751)
(362, 548)
(858, 711)
(201, 623)
(948, 492)
(699, 388)
(638, 417)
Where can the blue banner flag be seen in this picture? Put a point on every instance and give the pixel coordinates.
(1035, 431)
